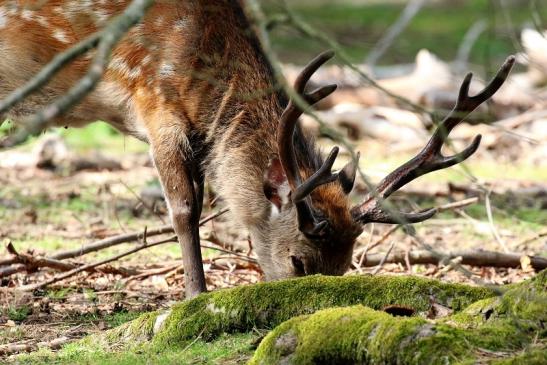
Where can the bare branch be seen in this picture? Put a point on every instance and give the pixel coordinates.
(115, 240)
(48, 71)
(411, 9)
(471, 257)
(79, 269)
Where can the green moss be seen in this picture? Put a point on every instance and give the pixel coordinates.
(507, 324)
(359, 335)
(266, 305)
(332, 320)
(137, 331)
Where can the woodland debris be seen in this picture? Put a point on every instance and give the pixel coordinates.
(12, 348)
(117, 240)
(468, 257)
(144, 245)
(28, 262)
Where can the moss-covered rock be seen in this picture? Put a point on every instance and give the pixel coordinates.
(508, 324)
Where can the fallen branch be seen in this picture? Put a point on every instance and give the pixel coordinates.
(87, 267)
(440, 208)
(220, 249)
(13, 348)
(92, 266)
(158, 271)
(468, 257)
(29, 262)
(370, 246)
(383, 260)
(457, 205)
(116, 240)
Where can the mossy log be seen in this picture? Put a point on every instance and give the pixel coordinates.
(266, 305)
(500, 328)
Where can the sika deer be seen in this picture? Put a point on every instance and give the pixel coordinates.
(193, 82)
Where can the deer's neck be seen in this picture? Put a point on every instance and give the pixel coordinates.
(237, 116)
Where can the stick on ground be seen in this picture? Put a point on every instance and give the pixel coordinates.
(468, 257)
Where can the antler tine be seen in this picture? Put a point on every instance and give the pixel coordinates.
(347, 175)
(292, 112)
(466, 104)
(320, 177)
(306, 220)
(308, 71)
(430, 158)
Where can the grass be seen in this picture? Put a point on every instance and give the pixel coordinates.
(95, 136)
(101, 136)
(19, 314)
(439, 27)
(227, 349)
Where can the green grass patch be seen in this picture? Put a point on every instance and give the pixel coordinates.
(227, 349)
(439, 27)
(102, 136)
(18, 314)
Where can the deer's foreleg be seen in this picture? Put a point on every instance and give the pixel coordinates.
(176, 171)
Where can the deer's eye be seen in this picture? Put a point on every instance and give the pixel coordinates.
(298, 265)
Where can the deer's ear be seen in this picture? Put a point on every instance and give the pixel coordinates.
(276, 187)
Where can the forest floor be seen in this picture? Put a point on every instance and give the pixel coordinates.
(46, 210)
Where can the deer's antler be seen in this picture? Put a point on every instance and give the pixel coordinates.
(300, 191)
(430, 158)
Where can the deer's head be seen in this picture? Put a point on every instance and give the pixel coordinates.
(312, 227)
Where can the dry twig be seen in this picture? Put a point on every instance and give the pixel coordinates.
(468, 257)
(383, 260)
(12, 348)
(117, 240)
(77, 270)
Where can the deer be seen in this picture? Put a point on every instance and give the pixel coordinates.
(193, 81)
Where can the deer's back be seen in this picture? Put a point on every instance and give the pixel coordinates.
(176, 67)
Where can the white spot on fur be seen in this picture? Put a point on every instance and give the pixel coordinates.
(42, 21)
(274, 211)
(3, 17)
(167, 69)
(119, 64)
(181, 24)
(27, 14)
(134, 73)
(160, 320)
(146, 60)
(60, 35)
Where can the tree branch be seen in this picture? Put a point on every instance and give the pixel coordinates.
(468, 257)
